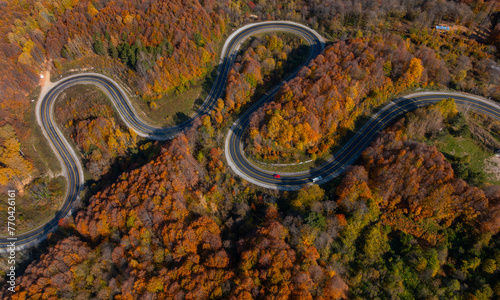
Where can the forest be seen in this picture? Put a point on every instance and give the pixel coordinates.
(92, 125)
(322, 104)
(398, 224)
(258, 68)
(162, 47)
(411, 219)
(154, 46)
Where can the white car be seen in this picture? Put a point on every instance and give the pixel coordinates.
(316, 179)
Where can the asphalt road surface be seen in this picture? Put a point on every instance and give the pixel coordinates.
(71, 165)
(72, 168)
(348, 154)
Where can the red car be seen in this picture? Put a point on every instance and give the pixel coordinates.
(276, 176)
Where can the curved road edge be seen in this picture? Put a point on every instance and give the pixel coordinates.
(350, 152)
(70, 164)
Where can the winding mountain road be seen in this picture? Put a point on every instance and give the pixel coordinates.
(351, 150)
(72, 167)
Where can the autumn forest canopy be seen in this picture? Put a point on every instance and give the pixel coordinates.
(417, 216)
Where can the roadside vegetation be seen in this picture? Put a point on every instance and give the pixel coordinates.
(460, 135)
(314, 111)
(416, 217)
(399, 223)
(263, 63)
(88, 119)
(68, 37)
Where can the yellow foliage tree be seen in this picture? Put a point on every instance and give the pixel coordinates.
(413, 73)
(92, 10)
(307, 196)
(12, 164)
(447, 107)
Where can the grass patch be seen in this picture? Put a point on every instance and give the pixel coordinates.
(283, 169)
(460, 147)
(36, 204)
(467, 158)
(172, 109)
(37, 147)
